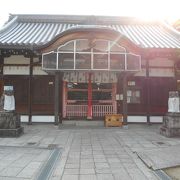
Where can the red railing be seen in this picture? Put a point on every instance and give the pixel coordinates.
(76, 110)
(97, 110)
(102, 110)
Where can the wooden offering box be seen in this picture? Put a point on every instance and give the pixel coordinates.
(113, 120)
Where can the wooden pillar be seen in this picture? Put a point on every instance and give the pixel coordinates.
(64, 99)
(30, 90)
(56, 99)
(89, 115)
(1, 65)
(148, 92)
(125, 108)
(60, 97)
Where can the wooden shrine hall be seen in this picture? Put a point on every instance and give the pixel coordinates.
(65, 67)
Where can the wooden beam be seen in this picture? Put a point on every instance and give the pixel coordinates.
(56, 99)
(148, 91)
(125, 108)
(30, 90)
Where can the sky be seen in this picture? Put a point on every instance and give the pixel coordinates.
(145, 9)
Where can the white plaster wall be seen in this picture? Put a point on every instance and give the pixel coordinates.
(16, 59)
(159, 62)
(156, 119)
(157, 70)
(38, 118)
(37, 70)
(24, 118)
(21, 70)
(16, 70)
(141, 73)
(132, 119)
(139, 119)
(160, 72)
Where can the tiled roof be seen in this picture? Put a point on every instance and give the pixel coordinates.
(30, 31)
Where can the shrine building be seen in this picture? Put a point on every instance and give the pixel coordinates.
(66, 67)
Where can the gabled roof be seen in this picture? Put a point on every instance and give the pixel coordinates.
(31, 31)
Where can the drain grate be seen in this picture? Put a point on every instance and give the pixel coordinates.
(47, 169)
(162, 175)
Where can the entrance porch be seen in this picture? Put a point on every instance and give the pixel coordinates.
(89, 95)
(90, 68)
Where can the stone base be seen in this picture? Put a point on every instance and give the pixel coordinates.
(10, 124)
(11, 132)
(9, 120)
(172, 120)
(169, 132)
(171, 125)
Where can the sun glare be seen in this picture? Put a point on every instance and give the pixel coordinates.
(144, 9)
(149, 9)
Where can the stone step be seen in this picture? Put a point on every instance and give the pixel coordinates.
(99, 123)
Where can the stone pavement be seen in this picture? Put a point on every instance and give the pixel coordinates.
(161, 158)
(86, 153)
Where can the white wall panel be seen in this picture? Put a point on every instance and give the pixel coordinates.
(160, 72)
(156, 119)
(141, 73)
(16, 60)
(38, 118)
(141, 119)
(37, 70)
(159, 62)
(16, 70)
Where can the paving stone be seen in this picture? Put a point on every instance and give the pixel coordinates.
(72, 166)
(103, 170)
(101, 165)
(98, 156)
(87, 171)
(136, 174)
(89, 160)
(96, 160)
(113, 160)
(115, 164)
(10, 171)
(70, 177)
(12, 178)
(105, 177)
(86, 156)
(88, 177)
(34, 165)
(27, 173)
(5, 163)
(87, 165)
(71, 171)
